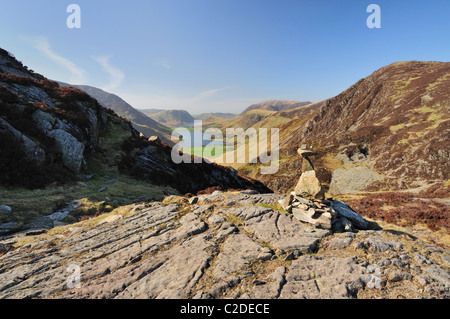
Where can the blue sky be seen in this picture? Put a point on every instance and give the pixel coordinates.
(221, 55)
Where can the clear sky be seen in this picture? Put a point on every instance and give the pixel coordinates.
(221, 55)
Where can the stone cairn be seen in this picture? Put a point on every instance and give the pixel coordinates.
(307, 203)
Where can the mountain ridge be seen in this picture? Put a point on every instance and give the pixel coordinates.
(143, 123)
(171, 117)
(386, 122)
(276, 105)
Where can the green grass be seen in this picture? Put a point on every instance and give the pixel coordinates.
(274, 207)
(199, 150)
(28, 204)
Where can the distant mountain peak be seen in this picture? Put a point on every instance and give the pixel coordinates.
(276, 105)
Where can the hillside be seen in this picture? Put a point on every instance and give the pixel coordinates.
(171, 118)
(286, 121)
(206, 116)
(389, 130)
(275, 105)
(141, 122)
(58, 144)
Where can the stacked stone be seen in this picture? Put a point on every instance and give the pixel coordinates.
(307, 203)
(316, 212)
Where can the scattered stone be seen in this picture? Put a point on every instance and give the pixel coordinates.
(339, 243)
(438, 274)
(379, 244)
(420, 259)
(397, 275)
(265, 254)
(102, 189)
(4, 248)
(290, 256)
(8, 227)
(371, 269)
(374, 282)
(423, 280)
(4, 209)
(193, 200)
(154, 139)
(110, 181)
(87, 177)
(400, 263)
(384, 262)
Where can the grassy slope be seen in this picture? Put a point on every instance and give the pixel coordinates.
(29, 204)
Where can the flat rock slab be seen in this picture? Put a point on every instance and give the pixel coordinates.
(323, 278)
(248, 249)
(285, 232)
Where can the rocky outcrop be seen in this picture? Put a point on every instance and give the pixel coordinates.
(153, 163)
(69, 147)
(227, 245)
(33, 152)
(352, 180)
(44, 121)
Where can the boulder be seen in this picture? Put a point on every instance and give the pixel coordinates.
(32, 151)
(352, 180)
(71, 149)
(309, 186)
(345, 211)
(8, 227)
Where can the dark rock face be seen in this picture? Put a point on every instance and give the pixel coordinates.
(47, 131)
(227, 245)
(153, 163)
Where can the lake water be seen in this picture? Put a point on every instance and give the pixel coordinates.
(189, 141)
